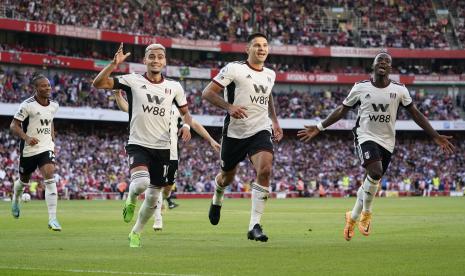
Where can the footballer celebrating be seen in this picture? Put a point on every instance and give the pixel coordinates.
(150, 99)
(378, 100)
(33, 123)
(248, 128)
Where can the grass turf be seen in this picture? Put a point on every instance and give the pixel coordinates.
(411, 236)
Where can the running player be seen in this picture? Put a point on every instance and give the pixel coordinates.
(176, 124)
(150, 98)
(247, 127)
(374, 132)
(33, 123)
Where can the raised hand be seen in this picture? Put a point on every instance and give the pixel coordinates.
(444, 143)
(119, 56)
(308, 133)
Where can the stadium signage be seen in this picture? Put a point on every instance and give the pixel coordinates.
(205, 45)
(81, 32)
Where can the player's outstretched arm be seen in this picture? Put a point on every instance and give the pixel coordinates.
(212, 92)
(420, 119)
(103, 80)
(185, 131)
(204, 133)
(121, 101)
(277, 130)
(17, 130)
(309, 132)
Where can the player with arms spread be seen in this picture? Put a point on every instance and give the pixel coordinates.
(33, 123)
(150, 99)
(247, 127)
(374, 133)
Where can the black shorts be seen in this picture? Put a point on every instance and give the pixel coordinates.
(28, 165)
(156, 161)
(369, 152)
(172, 172)
(234, 150)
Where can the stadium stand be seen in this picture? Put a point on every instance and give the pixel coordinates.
(404, 24)
(93, 161)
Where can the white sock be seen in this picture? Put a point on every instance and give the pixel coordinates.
(51, 198)
(147, 209)
(370, 187)
(218, 195)
(358, 204)
(158, 207)
(18, 190)
(140, 180)
(260, 195)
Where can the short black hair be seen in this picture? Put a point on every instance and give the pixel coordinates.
(254, 35)
(37, 76)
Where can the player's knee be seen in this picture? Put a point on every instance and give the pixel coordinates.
(140, 180)
(48, 174)
(376, 174)
(264, 173)
(167, 191)
(227, 178)
(24, 178)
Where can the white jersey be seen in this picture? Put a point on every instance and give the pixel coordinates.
(251, 88)
(176, 120)
(37, 122)
(150, 107)
(377, 112)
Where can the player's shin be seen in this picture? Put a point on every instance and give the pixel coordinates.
(158, 207)
(370, 187)
(260, 195)
(358, 204)
(147, 209)
(18, 190)
(51, 198)
(218, 194)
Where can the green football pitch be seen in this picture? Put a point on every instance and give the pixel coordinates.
(411, 236)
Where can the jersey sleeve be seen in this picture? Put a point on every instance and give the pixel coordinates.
(180, 97)
(225, 76)
(56, 108)
(406, 100)
(22, 113)
(122, 82)
(353, 98)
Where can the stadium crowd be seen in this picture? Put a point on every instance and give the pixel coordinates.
(403, 23)
(457, 8)
(75, 90)
(94, 163)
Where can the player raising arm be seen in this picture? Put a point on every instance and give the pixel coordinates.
(176, 126)
(151, 97)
